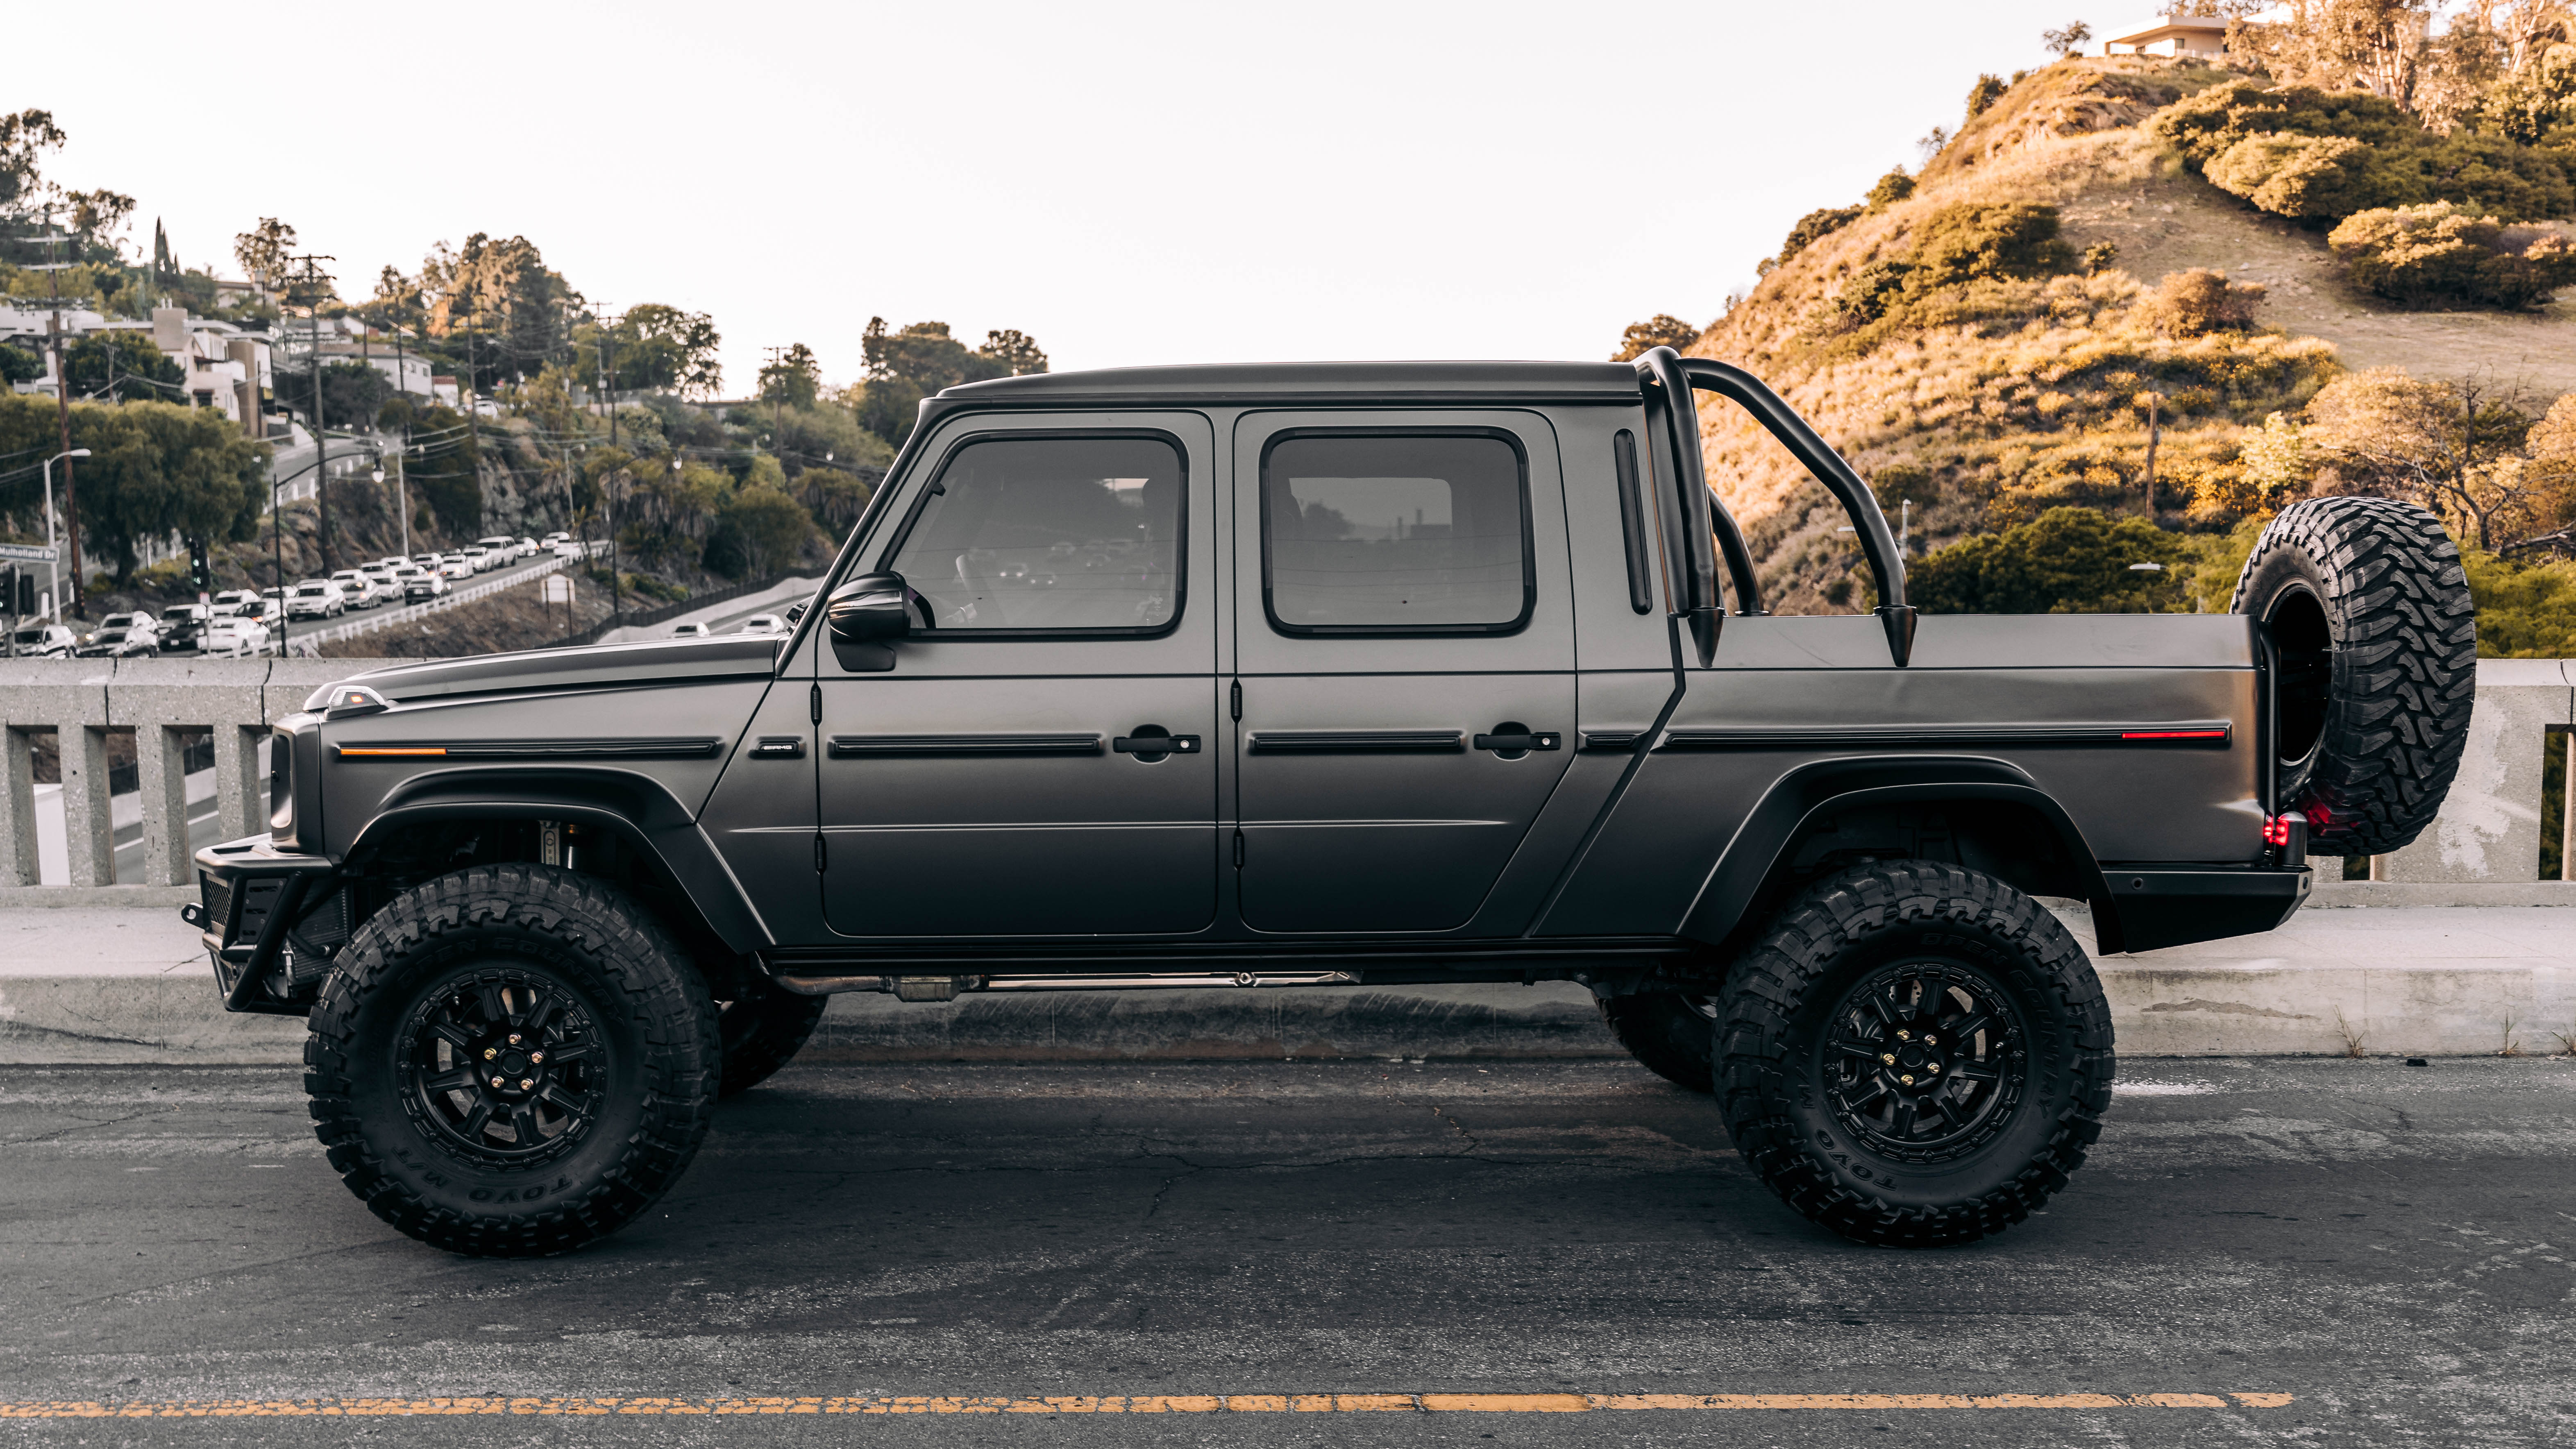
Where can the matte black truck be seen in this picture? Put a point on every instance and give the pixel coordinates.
(1326, 674)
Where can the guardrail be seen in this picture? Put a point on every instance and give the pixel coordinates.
(103, 757)
(660, 613)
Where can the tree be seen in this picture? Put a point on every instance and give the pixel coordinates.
(795, 379)
(19, 365)
(925, 355)
(1988, 90)
(658, 348)
(353, 393)
(1661, 330)
(121, 365)
(2069, 560)
(766, 529)
(97, 216)
(1890, 189)
(262, 252)
(156, 469)
(2453, 445)
(24, 140)
(1014, 349)
(2067, 40)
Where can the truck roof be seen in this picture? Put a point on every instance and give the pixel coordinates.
(1425, 382)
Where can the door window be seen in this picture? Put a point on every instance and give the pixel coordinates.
(1396, 534)
(1050, 535)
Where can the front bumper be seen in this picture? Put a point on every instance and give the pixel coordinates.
(2164, 906)
(271, 920)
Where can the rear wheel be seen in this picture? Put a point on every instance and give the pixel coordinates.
(2375, 647)
(1915, 1054)
(1671, 1033)
(511, 1061)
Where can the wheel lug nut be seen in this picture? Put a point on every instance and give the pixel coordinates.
(490, 1052)
(514, 1038)
(496, 1081)
(536, 1056)
(526, 1082)
(1888, 1057)
(1930, 1067)
(1930, 1040)
(1907, 1079)
(1904, 1035)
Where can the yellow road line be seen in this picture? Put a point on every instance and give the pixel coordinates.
(1136, 1404)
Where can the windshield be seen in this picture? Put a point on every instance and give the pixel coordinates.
(28, 636)
(180, 611)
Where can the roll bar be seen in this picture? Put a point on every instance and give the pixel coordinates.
(1703, 524)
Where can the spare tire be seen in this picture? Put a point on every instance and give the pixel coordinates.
(2375, 647)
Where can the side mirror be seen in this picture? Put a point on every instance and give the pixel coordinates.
(867, 615)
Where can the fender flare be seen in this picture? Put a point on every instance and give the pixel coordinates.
(1752, 873)
(638, 810)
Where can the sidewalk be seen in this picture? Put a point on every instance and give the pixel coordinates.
(127, 985)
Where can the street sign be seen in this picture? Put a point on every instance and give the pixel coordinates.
(558, 589)
(28, 552)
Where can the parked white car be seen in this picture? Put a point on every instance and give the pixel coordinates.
(231, 636)
(42, 641)
(763, 624)
(316, 599)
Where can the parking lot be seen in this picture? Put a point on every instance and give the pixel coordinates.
(2290, 1251)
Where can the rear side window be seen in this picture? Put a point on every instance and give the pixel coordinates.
(1050, 535)
(1396, 533)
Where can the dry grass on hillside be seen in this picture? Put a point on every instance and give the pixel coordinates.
(1988, 402)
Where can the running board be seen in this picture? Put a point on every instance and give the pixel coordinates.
(949, 988)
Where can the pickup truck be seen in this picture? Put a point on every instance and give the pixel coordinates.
(1312, 674)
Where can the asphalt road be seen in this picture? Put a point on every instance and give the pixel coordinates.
(2310, 1252)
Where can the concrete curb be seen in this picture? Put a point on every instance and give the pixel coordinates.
(2442, 983)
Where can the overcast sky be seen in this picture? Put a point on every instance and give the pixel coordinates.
(1130, 184)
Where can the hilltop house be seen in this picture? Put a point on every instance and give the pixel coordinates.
(2201, 36)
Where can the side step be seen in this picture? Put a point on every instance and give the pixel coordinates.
(949, 988)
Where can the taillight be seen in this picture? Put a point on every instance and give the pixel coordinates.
(2276, 829)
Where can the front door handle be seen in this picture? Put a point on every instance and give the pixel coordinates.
(1156, 744)
(1520, 741)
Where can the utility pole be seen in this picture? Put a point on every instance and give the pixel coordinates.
(608, 399)
(63, 421)
(777, 356)
(315, 280)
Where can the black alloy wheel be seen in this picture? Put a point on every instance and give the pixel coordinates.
(1925, 1060)
(506, 1065)
(1914, 1054)
(511, 1060)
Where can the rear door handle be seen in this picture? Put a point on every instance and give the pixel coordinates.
(779, 747)
(1532, 740)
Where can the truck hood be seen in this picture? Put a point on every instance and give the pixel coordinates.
(597, 666)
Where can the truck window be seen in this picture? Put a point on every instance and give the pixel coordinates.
(1396, 534)
(1050, 534)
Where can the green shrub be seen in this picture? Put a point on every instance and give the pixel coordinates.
(2525, 610)
(1974, 241)
(2198, 302)
(2444, 254)
(1869, 292)
(2066, 561)
(2299, 152)
(1988, 90)
(2315, 178)
(1892, 188)
(1814, 227)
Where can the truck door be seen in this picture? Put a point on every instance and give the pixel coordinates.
(1405, 659)
(1041, 759)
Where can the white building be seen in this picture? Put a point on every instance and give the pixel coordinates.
(2201, 37)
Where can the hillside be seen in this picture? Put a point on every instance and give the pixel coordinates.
(1993, 398)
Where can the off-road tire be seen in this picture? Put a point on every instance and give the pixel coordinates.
(1672, 1033)
(524, 932)
(2376, 646)
(1785, 1043)
(761, 1029)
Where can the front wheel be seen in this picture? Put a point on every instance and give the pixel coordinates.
(1915, 1054)
(511, 1061)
